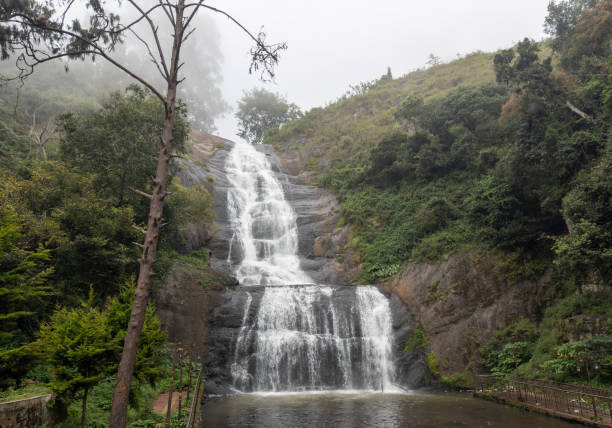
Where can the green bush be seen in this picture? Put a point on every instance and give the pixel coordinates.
(433, 365)
(462, 380)
(417, 341)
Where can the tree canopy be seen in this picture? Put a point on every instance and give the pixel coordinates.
(261, 111)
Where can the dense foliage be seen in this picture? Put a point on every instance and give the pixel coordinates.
(68, 223)
(117, 144)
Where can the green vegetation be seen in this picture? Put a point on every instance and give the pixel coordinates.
(140, 415)
(28, 391)
(417, 341)
(115, 144)
(261, 111)
(463, 380)
(570, 343)
(68, 221)
(508, 152)
(433, 364)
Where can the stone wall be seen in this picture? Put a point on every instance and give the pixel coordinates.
(29, 413)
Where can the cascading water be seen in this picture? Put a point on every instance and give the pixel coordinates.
(304, 337)
(265, 230)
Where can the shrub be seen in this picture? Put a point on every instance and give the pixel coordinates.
(417, 341)
(433, 365)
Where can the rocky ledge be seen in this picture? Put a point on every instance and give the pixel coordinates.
(239, 307)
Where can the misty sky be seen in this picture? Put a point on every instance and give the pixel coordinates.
(335, 43)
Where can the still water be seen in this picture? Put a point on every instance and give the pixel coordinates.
(357, 410)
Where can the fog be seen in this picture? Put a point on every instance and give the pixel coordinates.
(87, 83)
(333, 44)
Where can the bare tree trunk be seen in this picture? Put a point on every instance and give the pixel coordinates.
(84, 409)
(130, 347)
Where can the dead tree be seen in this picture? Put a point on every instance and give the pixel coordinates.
(38, 33)
(40, 134)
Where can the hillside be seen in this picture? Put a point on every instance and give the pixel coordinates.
(486, 179)
(348, 128)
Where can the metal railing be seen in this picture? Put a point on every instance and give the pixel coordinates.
(576, 400)
(195, 404)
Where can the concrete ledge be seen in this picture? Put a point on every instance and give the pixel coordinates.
(30, 412)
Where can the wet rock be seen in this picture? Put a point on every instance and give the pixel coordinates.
(185, 301)
(463, 300)
(236, 313)
(410, 368)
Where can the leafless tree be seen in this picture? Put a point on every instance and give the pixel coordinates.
(40, 134)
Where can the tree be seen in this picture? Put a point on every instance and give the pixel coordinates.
(23, 275)
(40, 33)
(562, 18)
(502, 65)
(40, 134)
(83, 350)
(433, 60)
(89, 239)
(24, 291)
(118, 143)
(387, 77)
(586, 252)
(84, 345)
(260, 111)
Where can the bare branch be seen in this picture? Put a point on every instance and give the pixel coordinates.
(170, 6)
(92, 43)
(197, 6)
(168, 14)
(141, 193)
(262, 55)
(154, 29)
(188, 34)
(66, 12)
(579, 112)
(143, 15)
(163, 72)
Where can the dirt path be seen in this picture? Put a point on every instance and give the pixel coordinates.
(160, 404)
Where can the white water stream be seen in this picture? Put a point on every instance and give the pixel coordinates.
(305, 336)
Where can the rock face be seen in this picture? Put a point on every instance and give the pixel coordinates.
(185, 302)
(190, 291)
(323, 244)
(462, 301)
(239, 308)
(195, 171)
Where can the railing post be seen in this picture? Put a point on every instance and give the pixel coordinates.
(188, 379)
(169, 409)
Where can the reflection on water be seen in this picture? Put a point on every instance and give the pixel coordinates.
(356, 410)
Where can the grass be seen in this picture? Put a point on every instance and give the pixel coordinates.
(28, 391)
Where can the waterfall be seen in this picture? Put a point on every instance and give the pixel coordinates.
(304, 336)
(264, 224)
